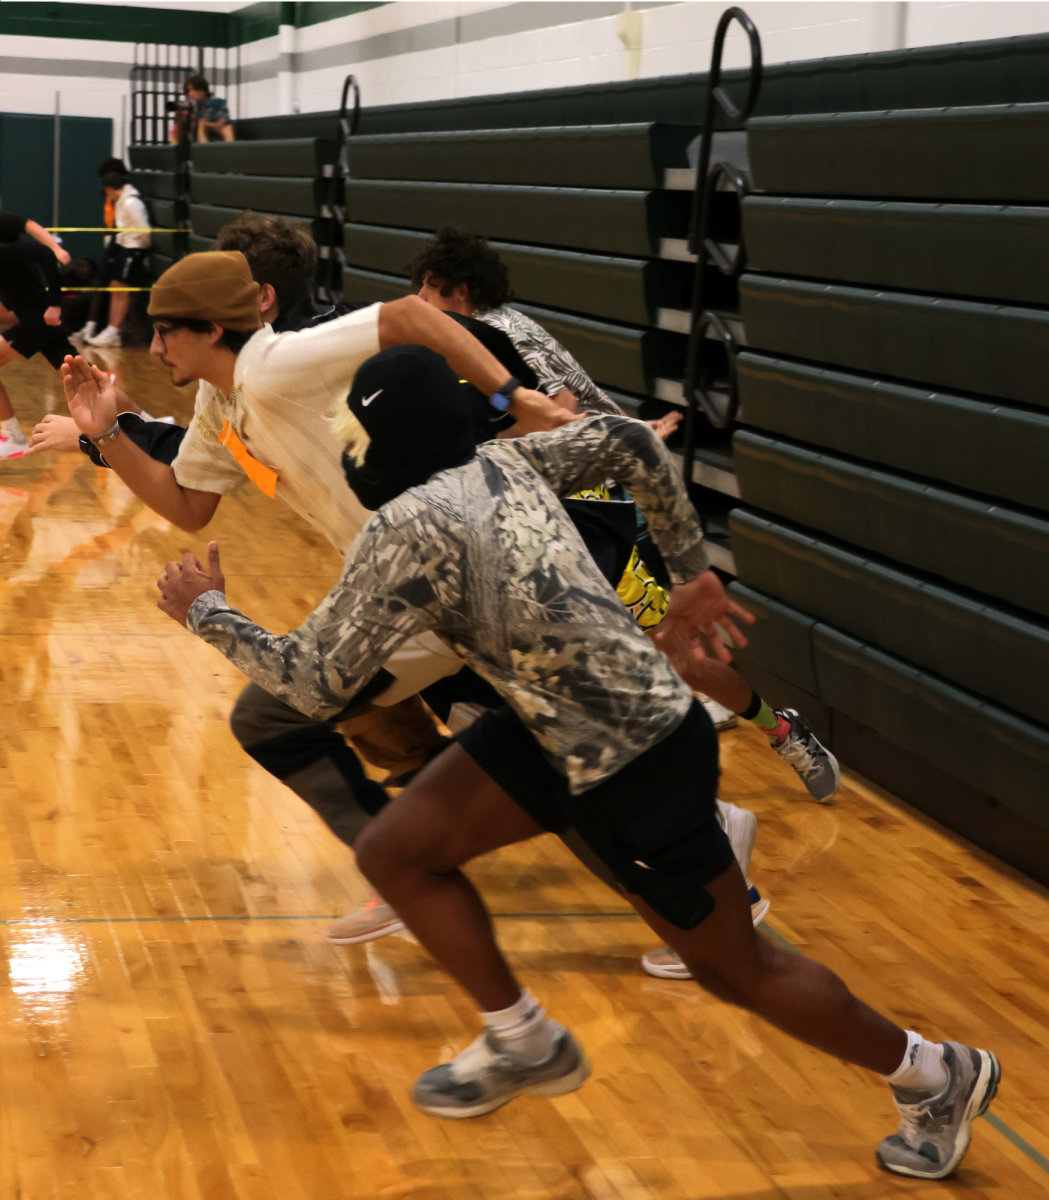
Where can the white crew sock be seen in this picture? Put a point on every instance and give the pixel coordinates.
(12, 429)
(922, 1069)
(522, 1029)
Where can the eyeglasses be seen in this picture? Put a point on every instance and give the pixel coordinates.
(162, 331)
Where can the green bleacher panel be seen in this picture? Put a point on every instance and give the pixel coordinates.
(588, 156)
(166, 214)
(159, 263)
(199, 244)
(975, 444)
(358, 284)
(991, 749)
(280, 156)
(157, 158)
(991, 152)
(997, 350)
(780, 640)
(618, 355)
(899, 245)
(263, 193)
(612, 222)
(207, 220)
(989, 547)
(622, 289)
(960, 636)
(169, 244)
(159, 185)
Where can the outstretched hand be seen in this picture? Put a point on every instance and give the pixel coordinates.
(184, 582)
(54, 433)
(699, 623)
(91, 395)
(536, 413)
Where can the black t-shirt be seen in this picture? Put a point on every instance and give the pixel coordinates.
(29, 280)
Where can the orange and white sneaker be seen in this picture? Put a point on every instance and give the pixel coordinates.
(372, 919)
(12, 447)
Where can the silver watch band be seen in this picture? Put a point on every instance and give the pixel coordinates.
(112, 432)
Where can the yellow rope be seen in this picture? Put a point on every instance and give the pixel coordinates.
(105, 289)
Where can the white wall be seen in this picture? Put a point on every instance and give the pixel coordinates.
(416, 51)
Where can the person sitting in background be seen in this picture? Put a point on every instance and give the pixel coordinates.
(212, 113)
(124, 262)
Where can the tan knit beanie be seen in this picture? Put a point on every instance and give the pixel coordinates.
(215, 285)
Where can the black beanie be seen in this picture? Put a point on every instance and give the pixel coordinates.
(418, 420)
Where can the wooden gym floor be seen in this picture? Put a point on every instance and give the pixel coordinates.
(172, 1023)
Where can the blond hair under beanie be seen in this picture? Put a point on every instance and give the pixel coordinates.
(215, 285)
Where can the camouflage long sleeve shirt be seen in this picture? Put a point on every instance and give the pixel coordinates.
(486, 557)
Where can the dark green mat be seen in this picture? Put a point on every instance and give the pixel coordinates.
(989, 547)
(996, 350)
(159, 185)
(207, 220)
(975, 444)
(158, 158)
(282, 156)
(262, 193)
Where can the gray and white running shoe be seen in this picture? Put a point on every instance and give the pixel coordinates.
(816, 766)
(934, 1130)
(483, 1077)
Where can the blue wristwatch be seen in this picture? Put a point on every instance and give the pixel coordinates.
(502, 399)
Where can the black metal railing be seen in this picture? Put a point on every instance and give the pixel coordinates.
(710, 373)
(157, 77)
(347, 127)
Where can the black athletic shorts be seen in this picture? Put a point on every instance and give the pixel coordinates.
(654, 822)
(123, 264)
(32, 335)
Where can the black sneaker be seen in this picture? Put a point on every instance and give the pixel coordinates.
(814, 763)
(934, 1130)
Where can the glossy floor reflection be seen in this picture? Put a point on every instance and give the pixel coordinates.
(172, 1024)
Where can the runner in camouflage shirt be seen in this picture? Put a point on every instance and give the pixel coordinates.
(486, 557)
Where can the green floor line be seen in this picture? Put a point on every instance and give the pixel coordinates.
(994, 1121)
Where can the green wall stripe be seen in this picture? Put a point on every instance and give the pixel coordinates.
(186, 27)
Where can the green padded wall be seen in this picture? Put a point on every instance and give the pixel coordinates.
(903, 245)
(167, 214)
(963, 637)
(991, 749)
(207, 220)
(975, 444)
(287, 156)
(986, 546)
(612, 222)
(997, 350)
(157, 158)
(602, 156)
(780, 640)
(371, 285)
(263, 193)
(622, 289)
(994, 152)
(159, 185)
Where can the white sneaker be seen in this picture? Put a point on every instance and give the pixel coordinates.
(82, 336)
(665, 963)
(12, 447)
(741, 825)
(368, 921)
(109, 336)
(722, 717)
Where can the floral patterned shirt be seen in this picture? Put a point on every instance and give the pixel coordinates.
(486, 557)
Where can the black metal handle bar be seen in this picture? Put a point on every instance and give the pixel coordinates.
(701, 203)
(339, 172)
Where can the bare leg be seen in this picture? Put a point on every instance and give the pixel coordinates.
(118, 306)
(7, 354)
(804, 999)
(451, 812)
(6, 411)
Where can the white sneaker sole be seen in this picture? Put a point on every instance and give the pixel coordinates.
(370, 935)
(758, 913)
(979, 1101)
(571, 1082)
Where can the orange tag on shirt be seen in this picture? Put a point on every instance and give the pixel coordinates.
(264, 478)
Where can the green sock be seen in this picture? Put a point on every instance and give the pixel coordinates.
(767, 721)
